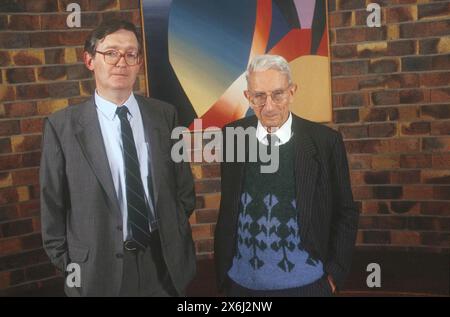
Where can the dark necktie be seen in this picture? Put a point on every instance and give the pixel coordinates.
(138, 210)
(271, 140)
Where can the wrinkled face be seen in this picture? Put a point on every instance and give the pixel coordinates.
(270, 96)
(121, 76)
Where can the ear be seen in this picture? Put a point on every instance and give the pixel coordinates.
(88, 61)
(292, 91)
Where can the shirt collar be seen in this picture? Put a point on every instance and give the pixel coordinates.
(284, 133)
(108, 108)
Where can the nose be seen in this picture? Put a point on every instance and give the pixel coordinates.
(121, 62)
(269, 104)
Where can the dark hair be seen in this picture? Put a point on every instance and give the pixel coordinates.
(104, 29)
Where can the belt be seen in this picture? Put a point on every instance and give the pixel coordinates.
(131, 245)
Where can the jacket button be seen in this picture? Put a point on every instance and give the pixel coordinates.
(119, 255)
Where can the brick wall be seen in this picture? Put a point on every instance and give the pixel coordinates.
(391, 99)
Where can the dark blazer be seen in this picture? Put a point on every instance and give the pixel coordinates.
(81, 219)
(325, 205)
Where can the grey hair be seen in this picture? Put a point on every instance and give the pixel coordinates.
(265, 62)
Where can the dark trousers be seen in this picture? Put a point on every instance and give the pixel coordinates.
(145, 272)
(319, 288)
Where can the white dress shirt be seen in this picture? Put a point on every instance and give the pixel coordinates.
(284, 133)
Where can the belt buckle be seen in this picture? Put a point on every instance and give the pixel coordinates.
(130, 245)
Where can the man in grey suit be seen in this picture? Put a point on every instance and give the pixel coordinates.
(114, 206)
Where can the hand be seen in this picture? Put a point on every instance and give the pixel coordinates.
(332, 284)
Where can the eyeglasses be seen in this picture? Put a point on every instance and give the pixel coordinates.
(259, 99)
(112, 57)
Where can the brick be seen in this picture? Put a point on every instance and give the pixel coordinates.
(30, 208)
(346, 116)
(359, 161)
(354, 132)
(435, 208)
(10, 161)
(352, 4)
(7, 93)
(376, 237)
(78, 72)
(441, 192)
(28, 57)
(24, 143)
(419, 63)
(401, 47)
(32, 241)
(211, 201)
(207, 186)
(344, 84)
(22, 259)
(408, 113)
(375, 49)
(31, 159)
(436, 144)
(52, 73)
(103, 5)
(5, 59)
(424, 29)
(435, 79)
(405, 177)
(24, 22)
(362, 192)
(387, 192)
(54, 56)
(435, 112)
(31, 125)
(382, 130)
(401, 14)
(434, 45)
(415, 128)
(340, 19)
(5, 146)
(9, 127)
(26, 177)
(16, 228)
(343, 51)
(211, 170)
(202, 232)
(441, 160)
(349, 68)
(440, 95)
(40, 271)
(436, 176)
(435, 239)
(17, 110)
(417, 192)
(5, 180)
(55, 21)
(411, 96)
(440, 62)
(404, 237)
(402, 207)
(433, 10)
(385, 97)
(130, 4)
(384, 66)
(9, 195)
(47, 107)
(390, 81)
(64, 89)
(206, 245)
(362, 146)
(14, 40)
(381, 114)
(62, 38)
(374, 207)
(20, 75)
(352, 100)
(440, 128)
(34, 91)
(207, 215)
(381, 177)
(385, 162)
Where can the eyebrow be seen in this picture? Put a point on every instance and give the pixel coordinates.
(118, 48)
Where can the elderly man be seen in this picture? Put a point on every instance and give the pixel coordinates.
(291, 232)
(114, 206)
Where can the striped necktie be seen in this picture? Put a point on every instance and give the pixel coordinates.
(138, 209)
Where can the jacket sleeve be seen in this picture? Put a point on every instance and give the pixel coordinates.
(54, 198)
(184, 179)
(344, 223)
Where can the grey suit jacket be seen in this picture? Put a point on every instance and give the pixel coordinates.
(81, 219)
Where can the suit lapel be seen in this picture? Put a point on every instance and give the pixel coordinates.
(306, 169)
(89, 136)
(152, 137)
